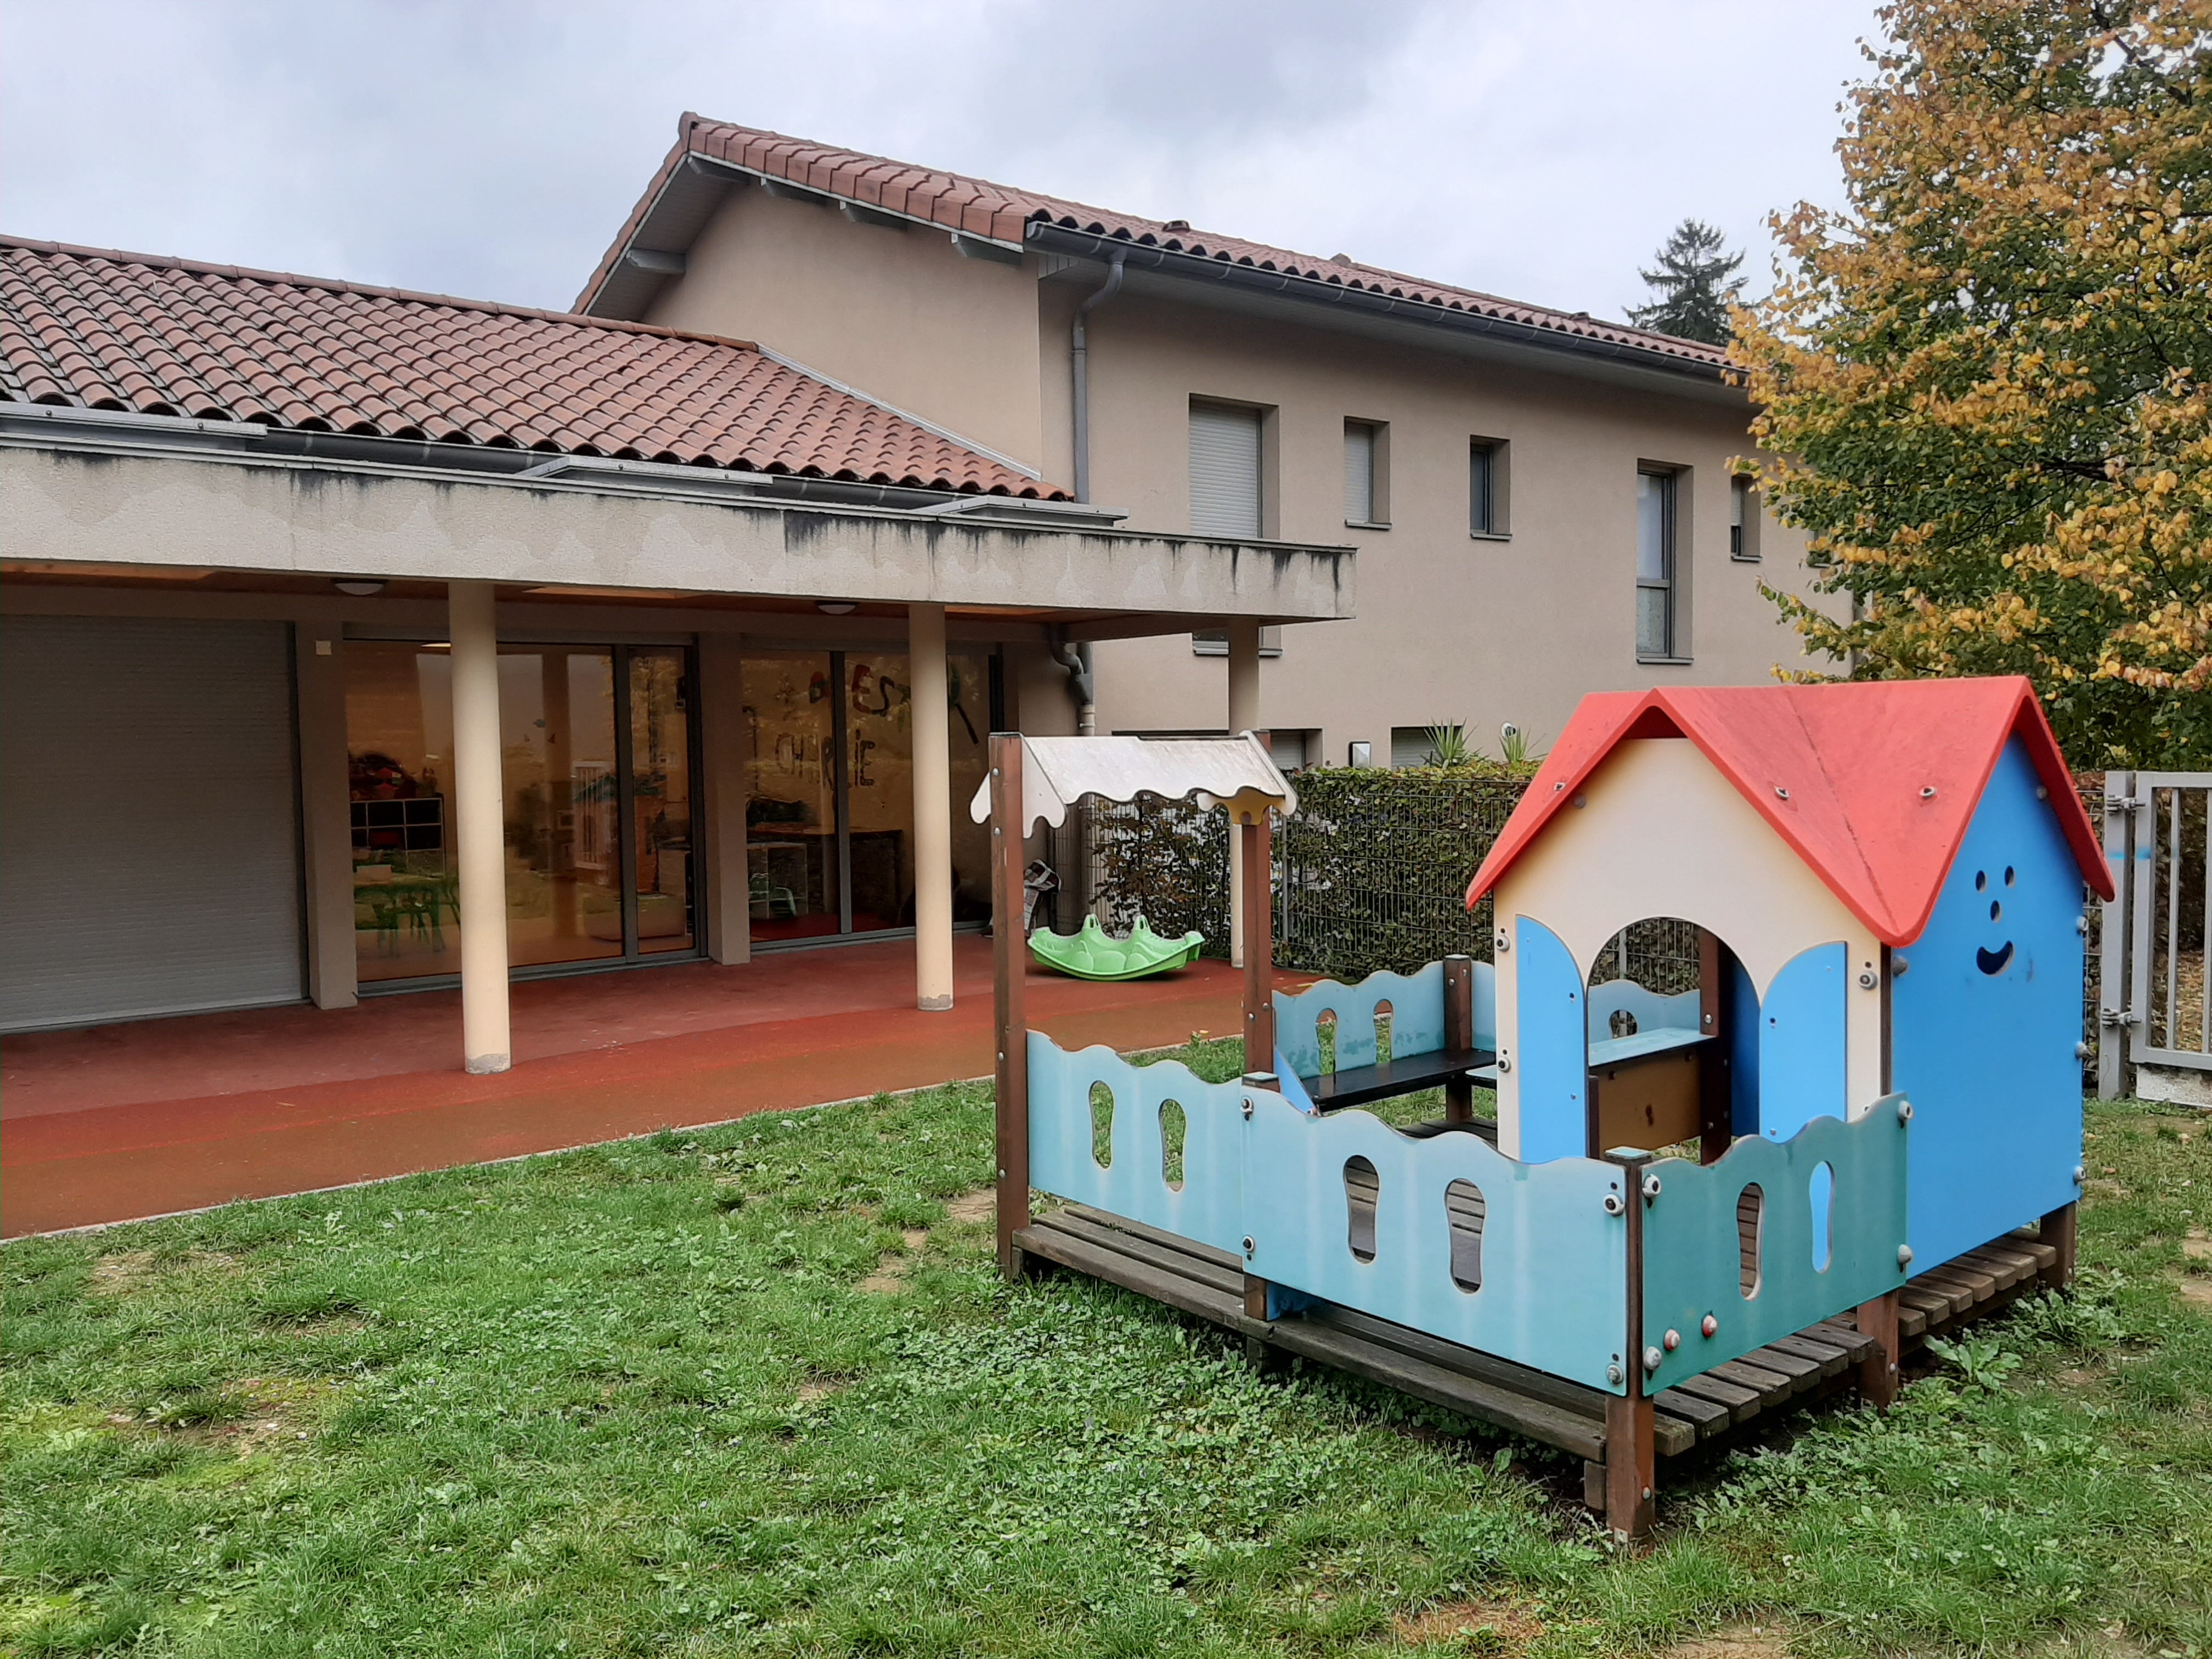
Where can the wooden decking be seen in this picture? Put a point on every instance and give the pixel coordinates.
(1211, 1285)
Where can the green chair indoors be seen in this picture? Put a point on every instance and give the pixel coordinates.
(1092, 953)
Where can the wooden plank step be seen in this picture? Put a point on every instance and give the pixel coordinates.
(1190, 1246)
(1801, 1372)
(1744, 1403)
(1953, 1277)
(1771, 1387)
(1333, 1344)
(1708, 1417)
(1177, 1290)
(1826, 1359)
(2012, 1268)
(1842, 1333)
(1472, 1362)
(1911, 1324)
(1231, 1280)
(1941, 1302)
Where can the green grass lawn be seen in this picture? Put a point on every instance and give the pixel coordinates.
(758, 1389)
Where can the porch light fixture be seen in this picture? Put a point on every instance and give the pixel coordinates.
(835, 607)
(360, 589)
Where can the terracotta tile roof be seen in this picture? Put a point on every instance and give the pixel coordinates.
(93, 328)
(976, 207)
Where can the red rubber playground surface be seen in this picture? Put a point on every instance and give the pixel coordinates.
(114, 1122)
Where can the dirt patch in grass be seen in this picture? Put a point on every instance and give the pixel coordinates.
(123, 1271)
(1471, 1627)
(2197, 1246)
(252, 1414)
(890, 1276)
(817, 1388)
(979, 1206)
(1734, 1642)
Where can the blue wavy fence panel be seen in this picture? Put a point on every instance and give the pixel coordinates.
(1417, 1018)
(1553, 1264)
(1803, 1050)
(1651, 1010)
(1551, 1048)
(1210, 1206)
(1696, 1260)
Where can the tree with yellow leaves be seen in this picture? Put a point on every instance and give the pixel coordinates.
(1989, 380)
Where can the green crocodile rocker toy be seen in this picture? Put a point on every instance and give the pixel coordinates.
(1092, 953)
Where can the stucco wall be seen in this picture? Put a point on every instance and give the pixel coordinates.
(900, 315)
(1450, 628)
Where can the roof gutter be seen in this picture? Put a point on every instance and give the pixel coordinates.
(1082, 244)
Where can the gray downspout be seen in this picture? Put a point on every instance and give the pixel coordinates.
(1076, 660)
(1079, 357)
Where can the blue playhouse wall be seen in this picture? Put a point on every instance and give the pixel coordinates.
(1550, 1291)
(1985, 1010)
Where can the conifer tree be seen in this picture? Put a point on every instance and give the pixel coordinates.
(1695, 283)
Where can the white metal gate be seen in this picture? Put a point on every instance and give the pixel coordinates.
(2152, 986)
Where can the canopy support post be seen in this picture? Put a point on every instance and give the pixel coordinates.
(1010, 1027)
(1259, 943)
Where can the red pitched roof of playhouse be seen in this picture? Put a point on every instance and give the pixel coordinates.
(1856, 760)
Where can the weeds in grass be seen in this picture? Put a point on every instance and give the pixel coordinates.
(632, 1400)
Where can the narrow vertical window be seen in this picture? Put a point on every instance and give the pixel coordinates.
(1655, 564)
(1224, 471)
(1484, 516)
(1743, 520)
(1360, 493)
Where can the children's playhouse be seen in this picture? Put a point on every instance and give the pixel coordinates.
(1849, 1118)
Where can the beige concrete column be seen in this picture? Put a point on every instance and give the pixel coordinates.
(479, 827)
(725, 789)
(933, 808)
(326, 814)
(1243, 716)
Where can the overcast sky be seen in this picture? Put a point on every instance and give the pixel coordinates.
(1540, 149)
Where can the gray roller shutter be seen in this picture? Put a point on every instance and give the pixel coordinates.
(1224, 471)
(1359, 472)
(148, 839)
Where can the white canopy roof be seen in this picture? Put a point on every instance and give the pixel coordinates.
(1236, 773)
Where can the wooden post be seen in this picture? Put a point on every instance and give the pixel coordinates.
(1631, 1459)
(1009, 951)
(1459, 1036)
(1259, 946)
(1878, 1370)
(1716, 1094)
(2059, 1232)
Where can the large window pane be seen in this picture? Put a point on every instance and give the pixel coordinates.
(1652, 623)
(661, 769)
(556, 717)
(791, 815)
(880, 777)
(400, 747)
(1655, 507)
(969, 690)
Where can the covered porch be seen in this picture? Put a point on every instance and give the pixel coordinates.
(107, 1123)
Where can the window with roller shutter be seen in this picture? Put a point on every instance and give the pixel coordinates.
(1225, 470)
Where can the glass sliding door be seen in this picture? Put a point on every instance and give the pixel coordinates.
(659, 770)
(595, 742)
(829, 819)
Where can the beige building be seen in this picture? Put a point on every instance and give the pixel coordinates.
(1542, 502)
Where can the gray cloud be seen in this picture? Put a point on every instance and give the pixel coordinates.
(492, 147)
